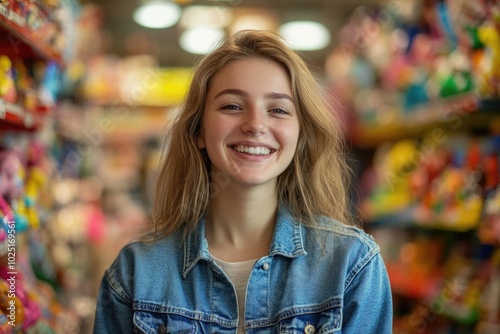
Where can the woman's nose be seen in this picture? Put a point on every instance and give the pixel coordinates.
(254, 122)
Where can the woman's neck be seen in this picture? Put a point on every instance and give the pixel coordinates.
(240, 224)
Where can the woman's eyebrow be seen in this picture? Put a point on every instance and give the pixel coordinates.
(231, 91)
(240, 92)
(279, 96)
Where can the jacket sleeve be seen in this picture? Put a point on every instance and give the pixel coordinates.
(114, 312)
(368, 300)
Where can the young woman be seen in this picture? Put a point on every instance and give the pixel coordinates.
(252, 232)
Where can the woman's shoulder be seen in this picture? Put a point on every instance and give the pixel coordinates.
(342, 234)
(139, 253)
(141, 263)
(343, 248)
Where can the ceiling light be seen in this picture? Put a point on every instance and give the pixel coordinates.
(157, 14)
(254, 22)
(253, 18)
(200, 40)
(207, 16)
(305, 35)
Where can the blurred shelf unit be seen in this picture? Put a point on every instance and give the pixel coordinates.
(463, 111)
(37, 40)
(33, 47)
(420, 80)
(433, 204)
(16, 117)
(29, 35)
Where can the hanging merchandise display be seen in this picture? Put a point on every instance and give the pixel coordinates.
(414, 63)
(110, 112)
(420, 81)
(442, 188)
(35, 44)
(28, 294)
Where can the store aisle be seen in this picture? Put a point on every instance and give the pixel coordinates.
(82, 130)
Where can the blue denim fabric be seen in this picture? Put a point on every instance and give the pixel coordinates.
(299, 287)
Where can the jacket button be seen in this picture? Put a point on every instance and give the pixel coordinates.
(309, 329)
(162, 330)
(265, 266)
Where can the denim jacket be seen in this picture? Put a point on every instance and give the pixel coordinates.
(329, 282)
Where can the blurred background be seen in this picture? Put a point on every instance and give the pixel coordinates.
(87, 90)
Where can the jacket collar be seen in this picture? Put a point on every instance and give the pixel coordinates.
(287, 241)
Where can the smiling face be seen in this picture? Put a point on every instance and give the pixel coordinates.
(250, 125)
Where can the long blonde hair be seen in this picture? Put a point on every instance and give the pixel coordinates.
(314, 184)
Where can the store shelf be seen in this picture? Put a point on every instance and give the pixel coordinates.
(448, 114)
(402, 218)
(13, 116)
(18, 40)
(409, 218)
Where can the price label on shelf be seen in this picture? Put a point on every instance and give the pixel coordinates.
(28, 120)
(3, 109)
(4, 11)
(17, 19)
(12, 16)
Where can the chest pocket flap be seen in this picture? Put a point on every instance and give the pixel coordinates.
(162, 323)
(325, 322)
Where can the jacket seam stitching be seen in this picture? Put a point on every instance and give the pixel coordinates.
(334, 302)
(360, 266)
(143, 307)
(116, 288)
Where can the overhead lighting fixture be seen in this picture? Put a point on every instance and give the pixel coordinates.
(206, 16)
(200, 40)
(305, 35)
(157, 14)
(254, 19)
(254, 22)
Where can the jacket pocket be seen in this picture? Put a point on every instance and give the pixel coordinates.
(324, 322)
(162, 323)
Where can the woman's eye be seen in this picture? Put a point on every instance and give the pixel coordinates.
(231, 107)
(279, 111)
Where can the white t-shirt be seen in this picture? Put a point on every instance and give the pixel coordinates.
(238, 273)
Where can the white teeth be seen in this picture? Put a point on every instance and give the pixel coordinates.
(252, 150)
